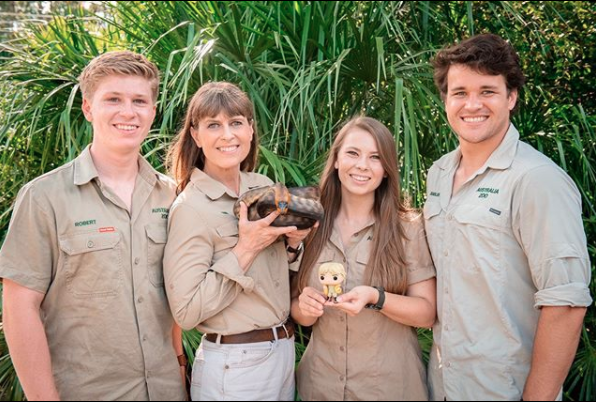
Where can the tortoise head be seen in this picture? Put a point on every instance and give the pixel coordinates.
(282, 198)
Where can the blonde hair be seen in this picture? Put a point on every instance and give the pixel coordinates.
(121, 62)
(386, 266)
(333, 268)
(210, 100)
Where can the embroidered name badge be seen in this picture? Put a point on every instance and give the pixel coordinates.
(495, 211)
(163, 211)
(486, 191)
(88, 222)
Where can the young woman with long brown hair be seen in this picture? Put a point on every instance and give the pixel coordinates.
(364, 346)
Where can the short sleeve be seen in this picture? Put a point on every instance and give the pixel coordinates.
(419, 262)
(30, 249)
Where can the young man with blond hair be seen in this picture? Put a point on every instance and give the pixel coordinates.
(85, 311)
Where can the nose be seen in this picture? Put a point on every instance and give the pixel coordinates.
(362, 163)
(473, 102)
(127, 109)
(227, 132)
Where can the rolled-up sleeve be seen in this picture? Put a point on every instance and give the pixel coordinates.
(197, 287)
(548, 224)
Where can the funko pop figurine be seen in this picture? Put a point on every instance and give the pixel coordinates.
(331, 275)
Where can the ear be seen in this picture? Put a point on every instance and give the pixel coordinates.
(87, 110)
(512, 99)
(195, 136)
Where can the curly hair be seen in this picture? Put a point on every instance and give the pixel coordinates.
(487, 54)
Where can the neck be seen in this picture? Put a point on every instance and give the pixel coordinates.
(357, 209)
(229, 177)
(475, 155)
(115, 166)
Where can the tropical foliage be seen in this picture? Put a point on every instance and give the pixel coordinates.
(308, 66)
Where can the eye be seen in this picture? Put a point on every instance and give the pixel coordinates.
(140, 101)
(322, 277)
(458, 94)
(113, 99)
(377, 157)
(213, 125)
(335, 277)
(237, 123)
(487, 92)
(352, 153)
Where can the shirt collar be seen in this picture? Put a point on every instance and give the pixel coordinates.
(500, 159)
(85, 170)
(214, 189)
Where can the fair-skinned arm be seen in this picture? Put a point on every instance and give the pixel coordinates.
(255, 236)
(177, 343)
(308, 307)
(27, 341)
(417, 308)
(555, 344)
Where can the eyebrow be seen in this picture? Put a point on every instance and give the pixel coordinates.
(460, 88)
(120, 94)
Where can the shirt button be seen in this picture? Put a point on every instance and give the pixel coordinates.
(341, 377)
(447, 364)
(447, 290)
(446, 253)
(446, 327)
(137, 260)
(341, 319)
(140, 299)
(342, 348)
(144, 338)
(449, 217)
(276, 284)
(90, 244)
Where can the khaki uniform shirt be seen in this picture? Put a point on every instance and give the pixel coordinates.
(206, 287)
(369, 356)
(105, 312)
(508, 242)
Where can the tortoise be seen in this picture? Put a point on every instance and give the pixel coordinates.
(298, 206)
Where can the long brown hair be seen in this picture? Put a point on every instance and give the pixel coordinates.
(210, 100)
(386, 266)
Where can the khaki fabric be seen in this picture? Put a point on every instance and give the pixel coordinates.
(206, 287)
(105, 311)
(369, 356)
(508, 242)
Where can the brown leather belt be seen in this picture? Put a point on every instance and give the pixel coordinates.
(258, 335)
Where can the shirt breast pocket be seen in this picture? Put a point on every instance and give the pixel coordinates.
(92, 264)
(156, 242)
(480, 235)
(434, 225)
(228, 233)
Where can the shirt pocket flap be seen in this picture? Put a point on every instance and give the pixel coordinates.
(228, 229)
(363, 255)
(157, 233)
(431, 209)
(481, 215)
(87, 242)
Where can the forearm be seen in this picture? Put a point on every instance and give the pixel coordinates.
(30, 354)
(299, 317)
(409, 310)
(555, 344)
(177, 339)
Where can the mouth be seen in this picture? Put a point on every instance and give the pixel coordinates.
(126, 127)
(360, 179)
(229, 149)
(475, 119)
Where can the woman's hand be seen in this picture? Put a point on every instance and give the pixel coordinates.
(354, 301)
(311, 303)
(255, 236)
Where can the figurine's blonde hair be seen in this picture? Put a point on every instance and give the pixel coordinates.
(333, 268)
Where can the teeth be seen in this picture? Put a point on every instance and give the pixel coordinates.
(360, 178)
(125, 127)
(228, 149)
(475, 119)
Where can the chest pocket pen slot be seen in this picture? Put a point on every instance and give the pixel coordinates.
(156, 242)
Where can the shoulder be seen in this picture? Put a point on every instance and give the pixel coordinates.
(50, 186)
(256, 179)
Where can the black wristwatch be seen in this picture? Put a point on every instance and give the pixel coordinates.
(296, 250)
(381, 300)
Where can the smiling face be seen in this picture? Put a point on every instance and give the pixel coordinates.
(225, 142)
(358, 163)
(121, 111)
(478, 105)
